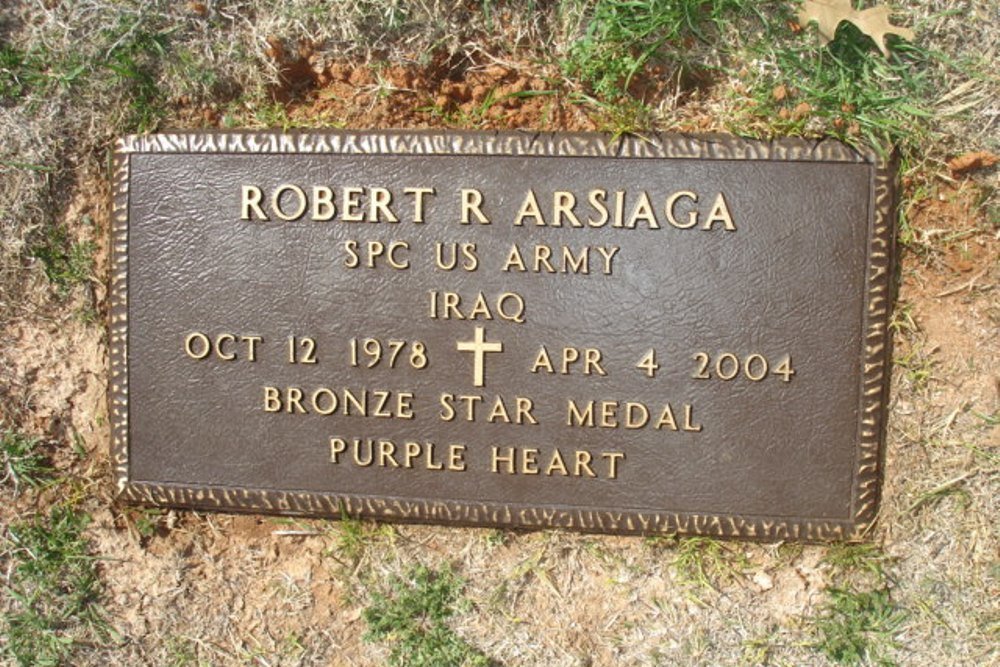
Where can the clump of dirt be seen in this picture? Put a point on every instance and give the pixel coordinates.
(298, 71)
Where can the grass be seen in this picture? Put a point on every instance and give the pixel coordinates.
(847, 89)
(149, 521)
(917, 365)
(858, 558)
(859, 621)
(21, 461)
(790, 85)
(127, 59)
(353, 538)
(623, 36)
(757, 650)
(19, 72)
(859, 628)
(182, 652)
(707, 563)
(53, 587)
(66, 263)
(412, 616)
(133, 60)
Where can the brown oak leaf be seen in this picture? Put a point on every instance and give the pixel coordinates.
(828, 14)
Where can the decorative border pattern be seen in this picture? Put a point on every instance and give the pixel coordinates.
(869, 461)
(118, 322)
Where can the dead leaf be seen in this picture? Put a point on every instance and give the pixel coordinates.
(874, 21)
(972, 161)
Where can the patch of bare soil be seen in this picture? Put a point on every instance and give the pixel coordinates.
(54, 358)
(453, 91)
(188, 588)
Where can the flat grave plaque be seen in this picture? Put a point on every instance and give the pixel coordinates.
(667, 334)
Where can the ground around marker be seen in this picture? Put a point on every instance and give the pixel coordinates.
(90, 582)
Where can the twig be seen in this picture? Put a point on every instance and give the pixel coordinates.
(964, 286)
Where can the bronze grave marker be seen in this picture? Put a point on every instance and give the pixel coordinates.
(645, 335)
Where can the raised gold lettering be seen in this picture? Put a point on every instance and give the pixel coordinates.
(609, 414)
(613, 458)
(456, 458)
(592, 362)
(666, 419)
(636, 415)
(352, 205)
(411, 450)
(692, 215)
(272, 399)
(542, 361)
(529, 209)
(252, 342)
(472, 200)
(597, 199)
(293, 400)
(720, 213)
(353, 258)
(583, 459)
(542, 254)
(643, 211)
(449, 261)
(507, 306)
(562, 207)
(250, 200)
(689, 424)
(514, 259)
(298, 210)
(556, 463)
(529, 461)
(337, 447)
(631, 415)
(330, 399)
(378, 209)
(536, 461)
(499, 411)
(386, 452)
(373, 403)
(608, 254)
(323, 208)
(507, 459)
(576, 417)
(204, 345)
(220, 340)
(619, 208)
(418, 201)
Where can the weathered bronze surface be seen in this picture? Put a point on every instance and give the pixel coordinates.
(641, 335)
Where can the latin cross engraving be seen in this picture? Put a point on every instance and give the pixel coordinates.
(479, 347)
